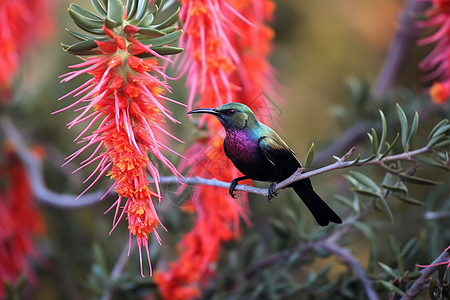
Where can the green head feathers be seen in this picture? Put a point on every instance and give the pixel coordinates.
(232, 115)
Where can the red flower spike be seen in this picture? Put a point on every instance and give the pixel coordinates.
(126, 99)
(23, 25)
(438, 60)
(20, 222)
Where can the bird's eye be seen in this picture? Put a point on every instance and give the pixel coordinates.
(231, 111)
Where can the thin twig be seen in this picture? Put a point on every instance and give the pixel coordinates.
(35, 173)
(117, 271)
(354, 263)
(424, 279)
(436, 216)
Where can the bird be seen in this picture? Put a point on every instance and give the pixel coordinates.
(259, 153)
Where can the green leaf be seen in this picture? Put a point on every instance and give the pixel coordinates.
(279, 228)
(105, 4)
(80, 47)
(353, 182)
(151, 32)
(442, 144)
(344, 200)
(162, 51)
(435, 139)
(365, 180)
(84, 12)
(115, 11)
(146, 21)
(373, 140)
(100, 257)
(418, 180)
(163, 40)
(389, 270)
(387, 209)
(142, 6)
(414, 127)
(389, 147)
(99, 7)
(436, 127)
(86, 24)
(409, 200)
(366, 193)
(131, 8)
(404, 127)
(359, 92)
(367, 159)
(442, 130)
(169, 29)
(395, 188)
(169, 21)
(371, 237)
(110, 23)
(383, 131)
(432, 162)
(392, 287)
(168, 50)
(80, 36)
(309, 156)
(249, 249)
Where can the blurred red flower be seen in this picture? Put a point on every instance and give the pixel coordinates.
(20, 222)
(23, 23)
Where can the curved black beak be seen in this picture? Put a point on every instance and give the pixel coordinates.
(211, 111)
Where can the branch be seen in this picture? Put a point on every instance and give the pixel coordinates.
(404, 38)
(351, 260)
(434, 215)
(423, 280)
(34, 172)
(117, 272)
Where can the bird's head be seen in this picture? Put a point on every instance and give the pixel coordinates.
(232, 115)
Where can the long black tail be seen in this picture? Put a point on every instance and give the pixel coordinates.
(319, 209)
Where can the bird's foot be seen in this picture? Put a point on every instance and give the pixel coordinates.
(233, 184)
(271, 193)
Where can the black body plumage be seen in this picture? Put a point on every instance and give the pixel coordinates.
(260, 154)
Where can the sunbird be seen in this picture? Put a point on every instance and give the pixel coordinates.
(260, 154)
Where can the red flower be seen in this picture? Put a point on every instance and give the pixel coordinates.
(124, 97)
(20, 222)
(22, 24)
(437, 62)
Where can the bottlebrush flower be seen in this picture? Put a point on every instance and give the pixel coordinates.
(124, 97)
(23, 23)
(437, 62)
(227, 44)
(20, 222)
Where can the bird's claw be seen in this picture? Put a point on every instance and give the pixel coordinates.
(233, 184)
(271, 193)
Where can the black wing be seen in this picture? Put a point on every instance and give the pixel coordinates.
(282, 158)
